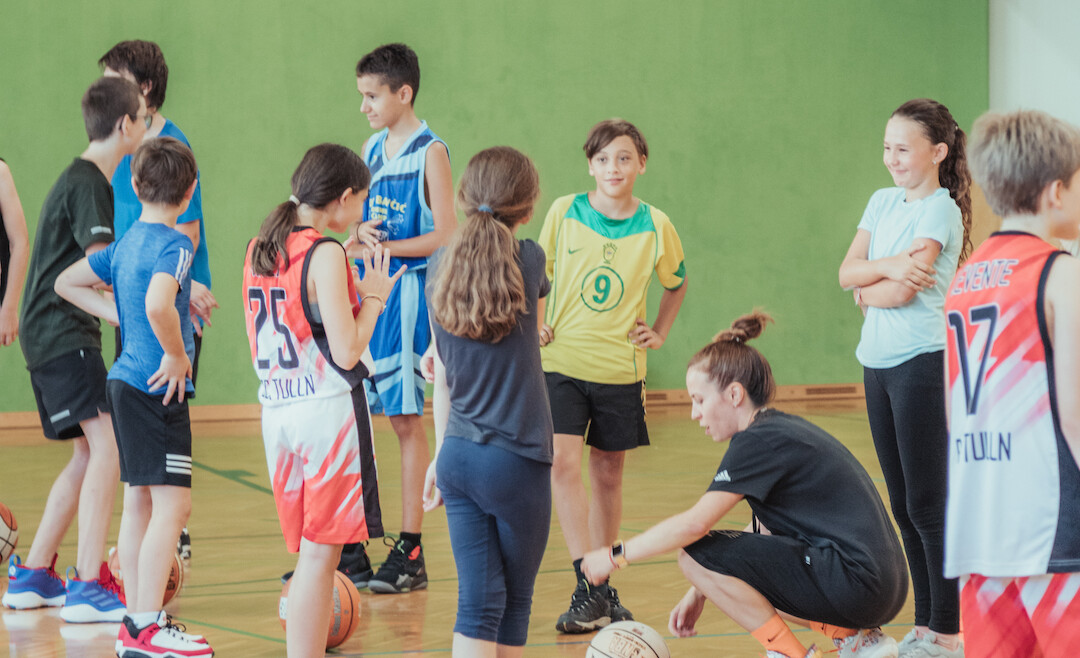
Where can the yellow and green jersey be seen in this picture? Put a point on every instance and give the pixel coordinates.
(600, 270)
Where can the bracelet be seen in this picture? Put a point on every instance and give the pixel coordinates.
(618, 555)
(381, 302)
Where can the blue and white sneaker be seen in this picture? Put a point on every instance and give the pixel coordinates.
(93, 601)
(33, 588)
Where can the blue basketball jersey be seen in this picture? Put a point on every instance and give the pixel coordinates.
(396, 195)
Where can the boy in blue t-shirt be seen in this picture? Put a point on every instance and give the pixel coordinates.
(143, 63)
(149, 271)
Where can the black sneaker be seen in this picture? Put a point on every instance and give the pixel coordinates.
(183, 545)
(589, 610)
(354, 563)
(403, 570)
(618, 612)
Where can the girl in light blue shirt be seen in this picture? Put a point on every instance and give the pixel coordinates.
(905, 252)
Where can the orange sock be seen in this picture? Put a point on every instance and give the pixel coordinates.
(833, 632)
(776, 636)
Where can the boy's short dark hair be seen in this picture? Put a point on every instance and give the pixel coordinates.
(396, 64)
(164, 168)
(145, 61)
(605, 132)
(106, 102)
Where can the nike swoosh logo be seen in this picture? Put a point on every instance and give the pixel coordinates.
(574, 251)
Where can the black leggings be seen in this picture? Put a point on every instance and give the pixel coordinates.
(906, 405)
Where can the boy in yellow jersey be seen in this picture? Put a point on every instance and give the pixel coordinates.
(602, 249)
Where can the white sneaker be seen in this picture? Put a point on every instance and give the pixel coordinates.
(867, 643)
(812, 652)
(913, 646)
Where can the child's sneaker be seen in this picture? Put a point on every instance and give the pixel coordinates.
(403, 570)
(93, 601)
(867, 643)
(589, 610)
(812, 652)
(183, 545)
(356, 564)
(33, 588)
(162, 639)
(618, 611)
(925, 646)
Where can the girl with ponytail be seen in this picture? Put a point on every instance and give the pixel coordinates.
(904, 254)
(307, 332)
(493, 428)
(820, 546)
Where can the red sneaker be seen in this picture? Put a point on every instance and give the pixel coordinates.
(161, 639)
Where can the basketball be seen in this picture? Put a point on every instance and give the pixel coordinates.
(627, 639)
(344, 615)
(172, 585)
(9, 532)
(175, 581)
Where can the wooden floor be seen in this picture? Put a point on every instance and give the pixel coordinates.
(232, 583)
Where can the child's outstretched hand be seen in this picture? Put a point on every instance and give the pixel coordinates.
(642, 335)
(174, 371)
(377, 280)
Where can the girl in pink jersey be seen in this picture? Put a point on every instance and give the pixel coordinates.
(307, 334)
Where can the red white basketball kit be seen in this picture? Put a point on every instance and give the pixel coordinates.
(316, 428)
(1014, 485)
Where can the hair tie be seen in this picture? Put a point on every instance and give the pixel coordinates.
(485, 208)
(292, 197)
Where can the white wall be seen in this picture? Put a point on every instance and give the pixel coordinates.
(1035, 56)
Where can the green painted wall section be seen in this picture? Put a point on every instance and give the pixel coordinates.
(764, 120)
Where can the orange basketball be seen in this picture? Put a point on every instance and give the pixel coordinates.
(172, 585)
(9, 532)
(176, 579)
(344, 613)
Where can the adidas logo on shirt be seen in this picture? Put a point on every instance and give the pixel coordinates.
(722, 476)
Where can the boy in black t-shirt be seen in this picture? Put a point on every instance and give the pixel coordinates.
(62, 346)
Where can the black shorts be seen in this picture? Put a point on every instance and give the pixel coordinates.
(154, 439)
(811, 583)
(69, 389)
(612, 414)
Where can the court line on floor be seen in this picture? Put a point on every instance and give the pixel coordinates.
(233, 476)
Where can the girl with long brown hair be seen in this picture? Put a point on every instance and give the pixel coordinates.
(308, 332)
(493, 429)
(905, 251)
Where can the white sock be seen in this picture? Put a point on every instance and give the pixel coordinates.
(144, 619)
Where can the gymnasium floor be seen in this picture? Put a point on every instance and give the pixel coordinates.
(231, 588)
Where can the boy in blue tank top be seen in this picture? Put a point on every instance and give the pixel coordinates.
(149, 270)
(410, 210)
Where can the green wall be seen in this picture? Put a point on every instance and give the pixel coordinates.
(764, 120)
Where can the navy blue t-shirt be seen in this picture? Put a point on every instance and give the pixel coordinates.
(497, 390)
(128, 265)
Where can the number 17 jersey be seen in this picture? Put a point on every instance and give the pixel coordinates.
(1014, 487)
(288, 343)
